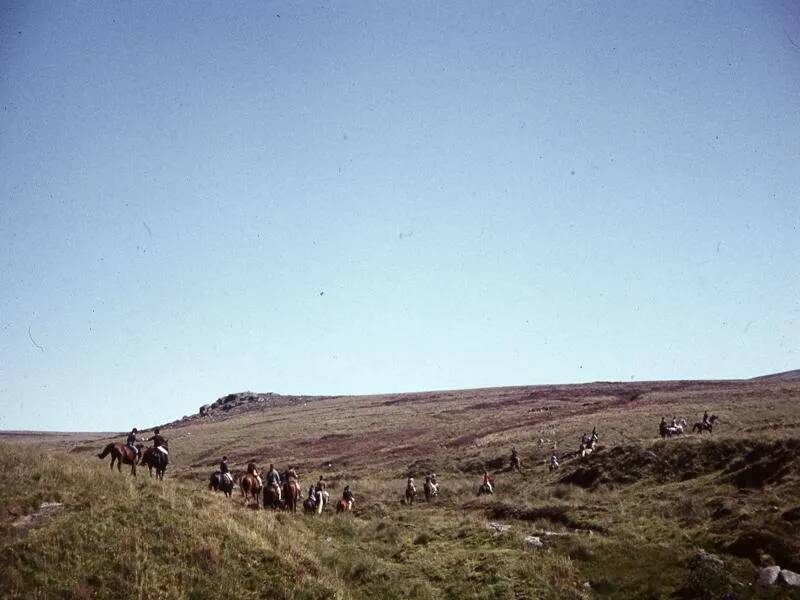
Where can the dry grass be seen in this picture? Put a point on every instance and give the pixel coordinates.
(120, 537)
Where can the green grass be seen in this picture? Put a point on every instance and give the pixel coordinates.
(119, 536)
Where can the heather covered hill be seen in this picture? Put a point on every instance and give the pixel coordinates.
(733, 494)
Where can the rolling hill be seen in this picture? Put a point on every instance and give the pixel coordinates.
(632, 520)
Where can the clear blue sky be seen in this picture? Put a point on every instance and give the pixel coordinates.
(351, 198)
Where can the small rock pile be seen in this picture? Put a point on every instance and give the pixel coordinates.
(769, 576)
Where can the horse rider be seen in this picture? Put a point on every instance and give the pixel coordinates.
(159, 442)
(312, 495)
(322, 490)
(584, 440)
(348, 497)
(434, 483)
(674, 422)
(291, 475)
(224, 471)
(553, 461)
(274, 479)
(130, 442)
(487, 482)
(253, 470)
(705, 417)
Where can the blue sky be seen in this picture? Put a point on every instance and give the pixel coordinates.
(356, 198)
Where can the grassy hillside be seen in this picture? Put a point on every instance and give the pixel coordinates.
(628, 520)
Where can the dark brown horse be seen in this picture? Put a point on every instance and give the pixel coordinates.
(291, 495)
(220, 483)
(251, 488)
(121, 453)
(272, 496)
(153, 458)
(708, 425)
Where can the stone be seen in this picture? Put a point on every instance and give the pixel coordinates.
(499, 527)
(533, 541)
(789, 578)
(768, 575)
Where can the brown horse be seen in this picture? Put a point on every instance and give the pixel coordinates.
(153, 458)
(272, 497)
(121, 453)
(344, 506)
(251, 488)
(291, 495)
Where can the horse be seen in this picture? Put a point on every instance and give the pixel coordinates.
(485, 488)
(315, 502)
(291, 495)
(251, 487)
(122, 453)
(218, 483)
(708, 426)
(272, 496)
(586, 449)
(431, 489)
(344, 506)
(411, 493)
(516, 463)
(153, 458)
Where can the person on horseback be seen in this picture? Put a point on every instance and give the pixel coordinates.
(291, 474)
(274, 479)
(322, 490)
(674, 422)
(348, 497)
(131, 442)
(487, 482)
(159, 442)
(224, 471)
(584, 439)
(253, 470)
(553, 461)
(705, 417)
(434, 483)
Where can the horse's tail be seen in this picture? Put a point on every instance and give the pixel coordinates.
(106, 450)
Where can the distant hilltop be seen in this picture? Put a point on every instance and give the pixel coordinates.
(785, 376)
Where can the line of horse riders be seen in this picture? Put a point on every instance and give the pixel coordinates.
(284, 490)
(678, 425)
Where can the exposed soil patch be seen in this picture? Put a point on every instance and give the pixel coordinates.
(555, 514)
(38, 517)
(783, 548)
(745, 464)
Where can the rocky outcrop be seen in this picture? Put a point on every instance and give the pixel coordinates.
(789, 578)
(768, 575)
